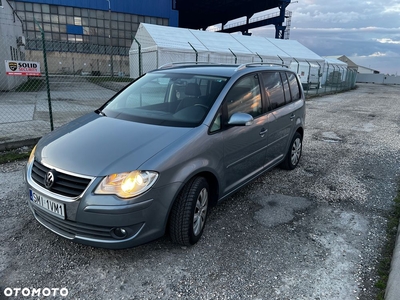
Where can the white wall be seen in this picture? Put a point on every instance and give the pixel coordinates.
(10, 30)
(364, 70)
(378, 78)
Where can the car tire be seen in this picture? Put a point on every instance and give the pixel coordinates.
(189, 212)
(294, 152)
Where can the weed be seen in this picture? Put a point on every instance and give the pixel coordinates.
(387, 253)
(14, 155)
(106, 79)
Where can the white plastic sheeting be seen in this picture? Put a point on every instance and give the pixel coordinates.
(162, 44)
(264, 48)
(334, 72)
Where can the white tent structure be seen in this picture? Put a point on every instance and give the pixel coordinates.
(335, 71)
(160, 45)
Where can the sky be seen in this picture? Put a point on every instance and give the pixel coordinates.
(368, 32)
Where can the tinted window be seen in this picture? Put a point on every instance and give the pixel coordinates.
(294, 86)
(274, 89)
(245, 97)
(286, 88)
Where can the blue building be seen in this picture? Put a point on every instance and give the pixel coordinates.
(94, 22)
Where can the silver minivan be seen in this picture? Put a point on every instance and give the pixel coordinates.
(161, 152)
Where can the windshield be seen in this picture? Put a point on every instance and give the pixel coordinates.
(168, 99)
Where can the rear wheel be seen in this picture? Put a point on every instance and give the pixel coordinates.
(294, 153)
(189, 212)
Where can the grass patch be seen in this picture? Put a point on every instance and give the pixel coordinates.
(32, 85)
(387, 253)
(14, 155)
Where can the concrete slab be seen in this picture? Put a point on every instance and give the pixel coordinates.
(16, 113)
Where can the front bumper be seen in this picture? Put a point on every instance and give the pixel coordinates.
(99, 220)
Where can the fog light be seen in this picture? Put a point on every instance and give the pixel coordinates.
(119, 233)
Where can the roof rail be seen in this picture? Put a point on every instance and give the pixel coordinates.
(242, 66)
(183, 63)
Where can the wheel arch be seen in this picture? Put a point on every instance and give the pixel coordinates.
(300, 130)
(213, 185)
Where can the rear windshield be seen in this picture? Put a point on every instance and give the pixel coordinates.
(169, 99)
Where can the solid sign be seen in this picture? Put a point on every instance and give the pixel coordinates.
(22, 68)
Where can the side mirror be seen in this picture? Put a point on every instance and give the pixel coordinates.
(241, 119)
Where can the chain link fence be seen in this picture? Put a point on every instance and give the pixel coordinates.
(77, 78)
(328, 79)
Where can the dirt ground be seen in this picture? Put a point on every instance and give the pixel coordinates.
(313, 233)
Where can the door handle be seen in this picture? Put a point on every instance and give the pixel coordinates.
(263, 131)
(292, 117)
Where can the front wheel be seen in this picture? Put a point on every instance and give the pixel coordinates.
(189, 212)
(294, 153)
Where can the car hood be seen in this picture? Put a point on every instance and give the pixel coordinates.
(94, 145)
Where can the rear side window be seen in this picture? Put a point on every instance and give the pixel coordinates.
(294, 86)
(274, 89)
(286, 88)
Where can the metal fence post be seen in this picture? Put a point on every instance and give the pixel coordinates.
(343, 81)
(334, 72)
(283, 63)
(140, 56)
(111, 47)
(319, 77)
(46, 76)
(197, 54)
(233, 55)
(298, 66)
(327, 78)
(309, 77)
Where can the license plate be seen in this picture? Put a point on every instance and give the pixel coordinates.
(55, 208)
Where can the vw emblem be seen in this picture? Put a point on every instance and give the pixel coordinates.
(49, 179)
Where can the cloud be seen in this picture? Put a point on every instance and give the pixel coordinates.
(336, 17)
(367, 30)
(388, 41)
(395, 8)
(381, 54)
(377, 54)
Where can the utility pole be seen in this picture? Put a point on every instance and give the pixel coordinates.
(111, 54)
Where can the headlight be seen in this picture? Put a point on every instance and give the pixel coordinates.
(127, 185)
(32, 156)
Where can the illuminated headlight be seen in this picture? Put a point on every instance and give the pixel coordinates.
(32, 156)
(127, 185)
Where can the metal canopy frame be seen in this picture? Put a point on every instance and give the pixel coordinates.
(199, 14)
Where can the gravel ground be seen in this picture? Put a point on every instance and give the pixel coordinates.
(313, 233)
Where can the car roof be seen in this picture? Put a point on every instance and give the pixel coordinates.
(219, 69)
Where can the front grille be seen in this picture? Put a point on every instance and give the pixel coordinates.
(73, 228)
(65, 184)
